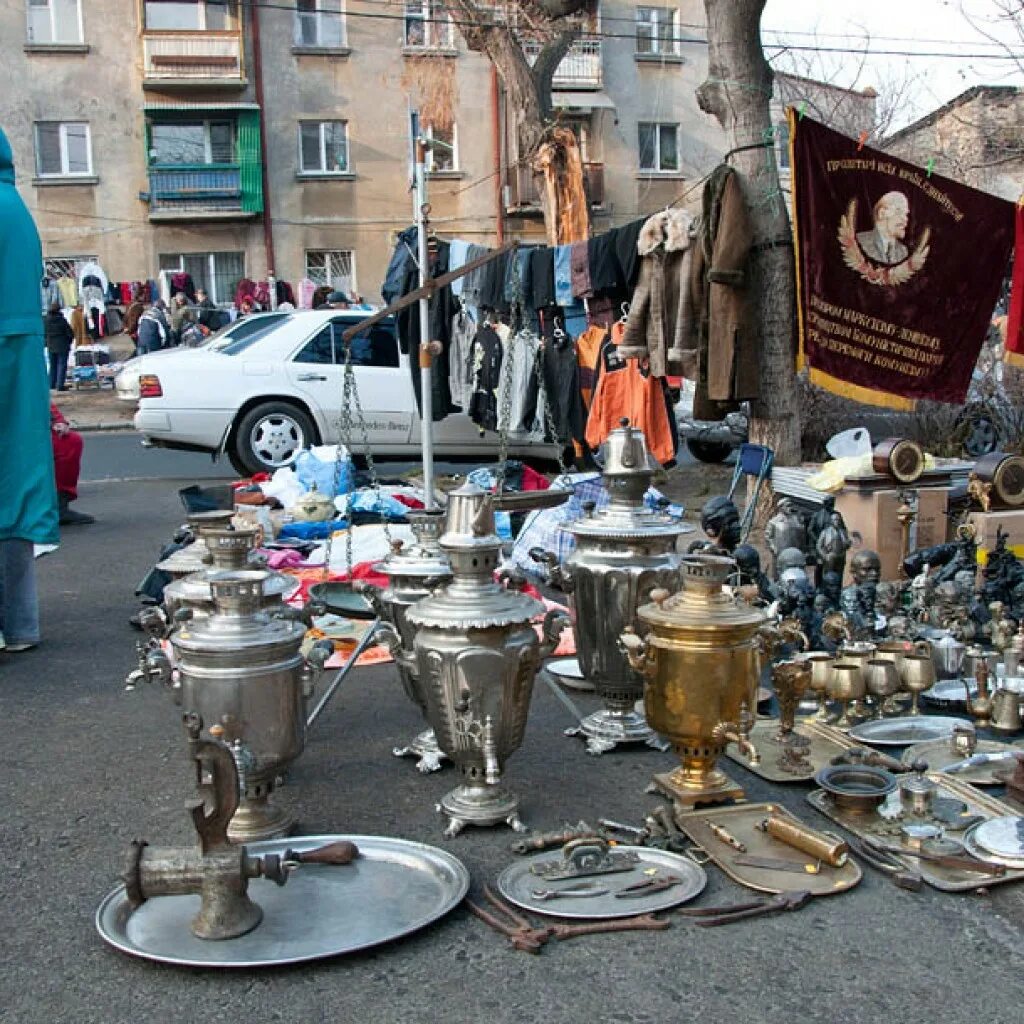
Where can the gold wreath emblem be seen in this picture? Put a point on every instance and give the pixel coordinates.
(855, 259)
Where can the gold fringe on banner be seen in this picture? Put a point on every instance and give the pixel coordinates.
(868, 396)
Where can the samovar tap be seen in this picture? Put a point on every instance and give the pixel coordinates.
(555, 621)
(730, 732)
(556, 575)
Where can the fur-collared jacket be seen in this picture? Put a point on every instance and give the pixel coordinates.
(661, 325)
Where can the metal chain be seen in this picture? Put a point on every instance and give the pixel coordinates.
(505, 384)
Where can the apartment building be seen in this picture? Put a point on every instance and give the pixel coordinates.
(225, 139)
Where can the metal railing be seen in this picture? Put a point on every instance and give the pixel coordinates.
(195, 190)
(580, 67)
(522, 192)
(192, 56)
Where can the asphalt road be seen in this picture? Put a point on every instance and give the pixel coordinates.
(87, 767)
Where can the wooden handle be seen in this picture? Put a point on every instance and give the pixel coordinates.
(342, 852)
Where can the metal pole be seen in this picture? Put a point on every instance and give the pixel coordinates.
(426, 393)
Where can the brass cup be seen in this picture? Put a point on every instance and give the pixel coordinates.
(883, 683)
(845, 685)
(917, 674)
(858, 653)
(821, 671)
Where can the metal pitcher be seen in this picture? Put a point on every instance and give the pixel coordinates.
(948, 655)
(1006, 711)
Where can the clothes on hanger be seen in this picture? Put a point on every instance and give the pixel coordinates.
(542, 277)
(68, 288)
(514, 392)
(486, 356)
(563, 275)
(460, 367)
(579, 270)
(559, 372)
(588, 351)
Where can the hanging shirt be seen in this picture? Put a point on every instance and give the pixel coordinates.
(579, 270)
(460, 367)
(542, 277)
(68, 292)
(563, 275)
(519, 356)
(588, 349)
(624, 390)
(458, 253)
(307, 289)
(486, 362)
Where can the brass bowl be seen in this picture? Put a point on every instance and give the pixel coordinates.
(859, 789)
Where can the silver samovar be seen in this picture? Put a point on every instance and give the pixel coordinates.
(193, 557)
(475, 656)
(241, 671)
(623, 552)
(413, 571)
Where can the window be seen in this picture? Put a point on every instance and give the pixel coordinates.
(659, 146)
(782, 144)
(239, 336)
(374, 347)
(217, 272)
(62, 149)
(196, 16)
(54, 21)
(334, 268)
(323, 147)
(427, 25)
(192, 142)
(444, 155)
(319, 23)
(656, 30)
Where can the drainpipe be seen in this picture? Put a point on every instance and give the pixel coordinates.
(499, 183)
(257, 70)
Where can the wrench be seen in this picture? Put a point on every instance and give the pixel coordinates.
(643, 922)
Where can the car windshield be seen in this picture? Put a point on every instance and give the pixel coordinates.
(237, 337)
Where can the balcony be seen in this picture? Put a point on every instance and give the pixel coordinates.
(523, 200)
(197, 193)
(580, 67)
(193, 59)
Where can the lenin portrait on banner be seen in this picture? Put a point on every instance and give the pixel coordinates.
(884, 242)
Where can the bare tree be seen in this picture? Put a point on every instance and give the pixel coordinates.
(551, 26)
(737, 92)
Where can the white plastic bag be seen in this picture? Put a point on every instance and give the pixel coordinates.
(849, 443)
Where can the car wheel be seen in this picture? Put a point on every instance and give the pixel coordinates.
(979, 432)
(270, 436)
(708, 451)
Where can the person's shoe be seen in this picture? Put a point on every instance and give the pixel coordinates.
(69, 517)
(19, 648)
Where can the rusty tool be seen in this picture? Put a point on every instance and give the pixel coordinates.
(641, 923)
(342, 852)
(520, 932)
(647, 887)
(636, 835)
(902, 877)
(723, 835)
(711, 917)
(583, 889)
(746, 860)
(547, 840)
(941, 859)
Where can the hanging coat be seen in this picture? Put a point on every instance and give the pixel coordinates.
(28, 495)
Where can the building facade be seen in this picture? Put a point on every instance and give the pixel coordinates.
(226, 139)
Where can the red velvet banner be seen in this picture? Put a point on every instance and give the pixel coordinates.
(898, 271)
(1015, 320)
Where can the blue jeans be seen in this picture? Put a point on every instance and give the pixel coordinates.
(19, 605)
(58, 370)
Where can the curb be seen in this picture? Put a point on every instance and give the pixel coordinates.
(88, 428)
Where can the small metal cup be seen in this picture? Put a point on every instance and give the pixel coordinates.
(917, 673)
(845, 685)
(821, 671)
(883, 683)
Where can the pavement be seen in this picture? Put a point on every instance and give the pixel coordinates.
(87, 767)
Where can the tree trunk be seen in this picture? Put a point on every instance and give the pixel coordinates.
(738, 92)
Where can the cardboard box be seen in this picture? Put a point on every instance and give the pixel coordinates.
(987, 524)
(872, 516)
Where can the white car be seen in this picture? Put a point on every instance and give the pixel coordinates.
(265, 387)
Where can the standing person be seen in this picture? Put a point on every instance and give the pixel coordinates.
(79, 325)
(133, 314)
(28, 497)
(182, 315)
(205, 307)
(153, 330)
(59, 337)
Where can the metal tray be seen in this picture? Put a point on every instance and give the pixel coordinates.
(521, 501)
(900, 732)
(741, 820)
(826, 743)
(393, 888)
(937, 876)
(339, 597)
(950, 693)
(938, 754)
(517, 883)
(1007, 859)
(568, 672)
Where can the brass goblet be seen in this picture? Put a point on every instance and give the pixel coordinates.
(790, 679)
(846, 685)
(917, 673)
(883, 683)
(821, 670)
(859, 653)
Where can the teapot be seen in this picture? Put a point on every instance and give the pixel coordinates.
(979, 707)
(313, 507)
(948, 655)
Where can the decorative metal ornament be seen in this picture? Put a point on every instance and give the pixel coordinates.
(475, 656)
(623, 552)
(701, 660)
(240, 670)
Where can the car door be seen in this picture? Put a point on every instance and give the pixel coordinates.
(317, 370)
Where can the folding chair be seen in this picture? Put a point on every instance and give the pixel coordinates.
(751, 460)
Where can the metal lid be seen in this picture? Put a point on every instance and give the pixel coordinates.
(470, 521)
(628, 471)
(196, 589)
(424, 558)
(917, 782)
(1002, 837)
(702, 605)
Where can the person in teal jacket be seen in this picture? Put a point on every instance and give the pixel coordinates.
(28, 496)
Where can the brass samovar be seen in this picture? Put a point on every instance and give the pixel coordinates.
(413, 571)
(700, 659)
(623, 552)
(475, 656)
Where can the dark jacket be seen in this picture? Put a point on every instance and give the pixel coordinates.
(58, 333)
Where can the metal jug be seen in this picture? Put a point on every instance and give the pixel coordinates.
(948, 655)
(1006, 711)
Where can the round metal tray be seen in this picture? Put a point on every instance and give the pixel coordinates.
(951, 693)
(341, 599)
(393, 888)
(938, 754)
(900, 732)
(1005, 834)
(517, 883)
(568, 672)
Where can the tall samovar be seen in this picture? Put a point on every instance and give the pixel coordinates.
(623, 552)
(241, 671)
(700, 660)
(475, 656)
(413, 571)
(193, 556)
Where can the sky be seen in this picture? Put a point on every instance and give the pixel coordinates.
(931, 26)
